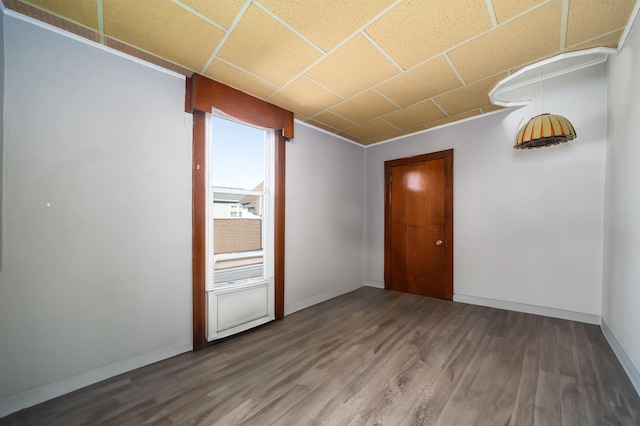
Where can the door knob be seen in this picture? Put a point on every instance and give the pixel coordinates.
(439, 242)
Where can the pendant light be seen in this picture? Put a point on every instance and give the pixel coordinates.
(544, 129)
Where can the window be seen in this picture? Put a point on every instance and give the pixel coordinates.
(202, 96)
(240, 225)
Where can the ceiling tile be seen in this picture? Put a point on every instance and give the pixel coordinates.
(454, 118)
(330, 119)
(505, 9)
(320, 125)
(300, 117)
(304, 96)
(221, 12)
(589, 19)
(326, 23)
(166, 30)
(351, 138)
(146, 56)
(521, 40)
(241, 80)
(469, 97)
(353, 68)
(415, 30)
(371, 129)
(491, 108)
(609, 40)
(81, 11)
(395, 135)
(364, 107)
(415, 115)
(266, 48)
(422, 82)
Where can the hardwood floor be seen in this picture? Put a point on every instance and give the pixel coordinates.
(372, 357)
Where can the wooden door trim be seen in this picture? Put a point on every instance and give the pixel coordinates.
(447, 155)
(202, 95)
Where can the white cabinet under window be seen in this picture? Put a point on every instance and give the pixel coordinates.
(239, 227)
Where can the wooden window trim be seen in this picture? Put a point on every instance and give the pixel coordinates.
(203, 95)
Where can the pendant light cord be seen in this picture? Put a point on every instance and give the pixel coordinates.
(542, 89)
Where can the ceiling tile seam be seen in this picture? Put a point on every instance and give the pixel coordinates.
(492, 13)
(526, 12)
(390, 124)
(563, 24)
(555, 53)
(381, 119)
(433, 98)
(199, 15)
(372, 88)
(155, 55)
(281, 88)
(356, 125)
(334, 113)
(305, 123)
(351, 137)
(289, 27)
(441, 109)
(450, 49)
(454, 68)
(480, 34)
(345, 41)
(224, 61)
(386, 98)
(429, 129)
(405, 72)
(382, 51)
(391, 134)
(319, 122)
(379, 138)
(233, 25)
(48, 12)
(594, 38)
(100, 13)
(105, 36)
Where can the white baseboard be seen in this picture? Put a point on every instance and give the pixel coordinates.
(310, 301)
(529, 309)
(376, 284)
(28, 398)
(624, 359)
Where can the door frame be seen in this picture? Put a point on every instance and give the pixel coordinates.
(447, 156)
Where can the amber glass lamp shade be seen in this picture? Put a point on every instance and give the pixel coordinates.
(544, 130)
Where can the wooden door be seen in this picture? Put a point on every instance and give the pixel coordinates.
(419, 225)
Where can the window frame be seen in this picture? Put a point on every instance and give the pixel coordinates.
(265, 195)
(202, 96)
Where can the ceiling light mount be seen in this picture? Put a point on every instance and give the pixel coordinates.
(544, 129)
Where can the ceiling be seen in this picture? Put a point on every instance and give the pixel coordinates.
(367, 70)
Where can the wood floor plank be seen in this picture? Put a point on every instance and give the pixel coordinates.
(372, 357)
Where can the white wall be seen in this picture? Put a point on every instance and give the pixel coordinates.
(621, 283)
(527, 224)
(324, 210)
(1, 121)
(96, 271)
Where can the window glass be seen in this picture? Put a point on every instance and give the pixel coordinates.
(238, 196)
(238, 155)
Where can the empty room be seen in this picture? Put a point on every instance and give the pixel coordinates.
(325, 212)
